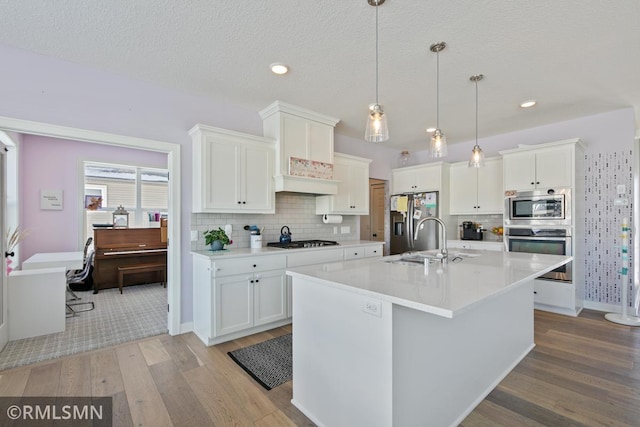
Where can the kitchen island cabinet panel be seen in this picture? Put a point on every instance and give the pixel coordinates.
(410, 345)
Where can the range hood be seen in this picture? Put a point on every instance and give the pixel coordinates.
(304, 148)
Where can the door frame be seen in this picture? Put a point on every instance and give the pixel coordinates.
(173, 165)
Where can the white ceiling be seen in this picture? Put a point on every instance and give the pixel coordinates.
(576, 57)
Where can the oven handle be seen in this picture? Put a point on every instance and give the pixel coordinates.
(538, 238)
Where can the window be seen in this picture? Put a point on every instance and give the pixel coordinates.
(143, 192)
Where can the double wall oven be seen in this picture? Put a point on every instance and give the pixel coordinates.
(540, 222)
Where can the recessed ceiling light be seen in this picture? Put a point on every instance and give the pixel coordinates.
(279, 68)
(527, 104)
(431, 130)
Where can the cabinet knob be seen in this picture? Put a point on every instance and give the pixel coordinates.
(355, 253)
(252, 281)
(257, 280)
(239, 202)
(532, 183)
(535, 292)
(244, 202)
(254, 265)
(537, 182)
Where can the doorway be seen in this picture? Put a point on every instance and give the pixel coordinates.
(173, 165)
(372, 226)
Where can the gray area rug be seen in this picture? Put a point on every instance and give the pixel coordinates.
(140, 312)
(268, 362)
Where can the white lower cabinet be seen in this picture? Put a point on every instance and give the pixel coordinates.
(238, 296)
(243, 295)
(555, 296)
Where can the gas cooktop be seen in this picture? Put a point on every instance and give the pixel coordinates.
(302, 244)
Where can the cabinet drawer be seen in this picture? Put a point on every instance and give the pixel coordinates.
(314, 257)
(372, 251)
(553, 293)
(228, 267)
(354, 253)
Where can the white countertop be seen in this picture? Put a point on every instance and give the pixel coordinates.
(267, 250)
(446, 289)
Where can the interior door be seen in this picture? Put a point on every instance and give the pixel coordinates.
(376, 212)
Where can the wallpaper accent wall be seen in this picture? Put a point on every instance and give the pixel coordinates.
(602, 240)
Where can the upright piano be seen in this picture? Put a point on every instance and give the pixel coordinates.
(123, 247)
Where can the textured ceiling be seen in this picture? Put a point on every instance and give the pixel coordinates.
(576, 57)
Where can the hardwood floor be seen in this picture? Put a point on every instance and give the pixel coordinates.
(583, 372)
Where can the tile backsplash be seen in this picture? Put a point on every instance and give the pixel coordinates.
(296, 210)
(487, 222)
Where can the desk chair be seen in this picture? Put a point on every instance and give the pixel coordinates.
(77, 278)
(71, 273)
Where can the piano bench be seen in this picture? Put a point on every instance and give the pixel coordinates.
(141, 268)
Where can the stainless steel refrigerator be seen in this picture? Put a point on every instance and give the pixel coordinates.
(406, 210)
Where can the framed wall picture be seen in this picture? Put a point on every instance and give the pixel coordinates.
(51, 200)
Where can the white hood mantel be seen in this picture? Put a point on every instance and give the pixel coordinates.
(301, 134)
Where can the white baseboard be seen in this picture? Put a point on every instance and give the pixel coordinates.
(601, 306)
(186, 327)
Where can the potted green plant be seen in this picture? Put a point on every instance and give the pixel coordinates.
(216, 238)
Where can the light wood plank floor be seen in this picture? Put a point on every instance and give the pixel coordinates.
(583, 372)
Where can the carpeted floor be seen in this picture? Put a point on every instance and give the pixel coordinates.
(138, 313)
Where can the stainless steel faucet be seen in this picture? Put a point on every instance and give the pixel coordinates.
(443, 251)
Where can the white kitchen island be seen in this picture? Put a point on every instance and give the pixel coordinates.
(378, 343)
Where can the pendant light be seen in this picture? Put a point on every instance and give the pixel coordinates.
(438, 146)
(377, 129)
(477, 155)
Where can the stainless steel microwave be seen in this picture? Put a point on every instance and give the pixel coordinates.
(538, 207)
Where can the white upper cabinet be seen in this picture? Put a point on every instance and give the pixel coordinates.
(413, 179)
(232, 172)
(539, 167)
(353, 188)
(476, 190)
(301, 134)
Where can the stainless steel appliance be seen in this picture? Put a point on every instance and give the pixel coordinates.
(406, 211)
(302, 244)
(471, 231)
(538, 208)
(554, 241)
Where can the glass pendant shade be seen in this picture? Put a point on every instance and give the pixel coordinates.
(438, 146)
(377, 129)
(477, 157)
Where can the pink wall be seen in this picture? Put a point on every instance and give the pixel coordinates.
(54, 164)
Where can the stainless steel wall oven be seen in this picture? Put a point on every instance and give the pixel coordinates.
(554, 241)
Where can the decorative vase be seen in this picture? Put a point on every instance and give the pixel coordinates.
(217, 245)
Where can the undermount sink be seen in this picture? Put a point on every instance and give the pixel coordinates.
(431, 256)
